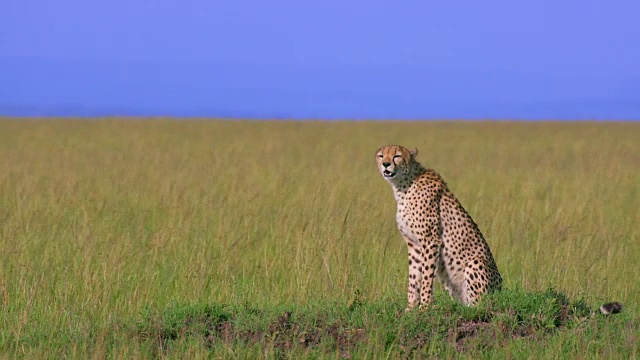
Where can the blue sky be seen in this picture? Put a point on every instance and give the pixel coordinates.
(327, 59)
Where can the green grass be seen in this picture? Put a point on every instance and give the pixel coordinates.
(510, 323)
(114, 231)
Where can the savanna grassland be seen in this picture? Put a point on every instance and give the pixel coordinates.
(130, 238)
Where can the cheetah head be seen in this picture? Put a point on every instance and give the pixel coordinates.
(395, 159)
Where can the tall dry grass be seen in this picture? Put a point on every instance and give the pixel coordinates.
(101, 219)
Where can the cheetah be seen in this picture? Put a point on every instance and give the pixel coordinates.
(442, 239)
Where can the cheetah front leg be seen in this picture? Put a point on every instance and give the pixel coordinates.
(431, 243)
(415, 274)
(430, 254)
(422, 272)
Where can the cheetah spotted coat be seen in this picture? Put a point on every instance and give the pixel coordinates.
(442, 239)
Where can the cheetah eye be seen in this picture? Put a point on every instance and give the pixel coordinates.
(396, 156)
(380, 156)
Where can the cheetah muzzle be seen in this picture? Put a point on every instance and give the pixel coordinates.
(388, 174)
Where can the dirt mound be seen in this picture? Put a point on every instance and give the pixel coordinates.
(381, 326)
(286, 334)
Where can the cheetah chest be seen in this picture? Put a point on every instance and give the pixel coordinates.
(409, 225)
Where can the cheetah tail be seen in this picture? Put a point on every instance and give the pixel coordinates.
(611, 308)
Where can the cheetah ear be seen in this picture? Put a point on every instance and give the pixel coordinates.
(414, 153)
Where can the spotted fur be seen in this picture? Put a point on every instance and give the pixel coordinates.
(442, 239)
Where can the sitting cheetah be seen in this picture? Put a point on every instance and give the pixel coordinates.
(441, 237)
